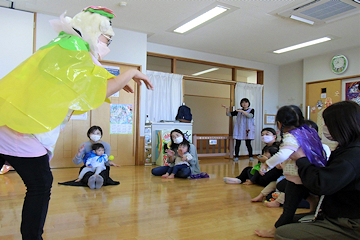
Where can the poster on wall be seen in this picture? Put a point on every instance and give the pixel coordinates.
(121, 118)
(352, 91)
(114, 71)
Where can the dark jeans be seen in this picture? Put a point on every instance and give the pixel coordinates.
(104, 174)
(294, 193)
(37, 177)
(176, 168)
(182, 173)
(257, 178)
(248, 145)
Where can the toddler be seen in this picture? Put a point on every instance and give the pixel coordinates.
(181, 161)
(95, 162)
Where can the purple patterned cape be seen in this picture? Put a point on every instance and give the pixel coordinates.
(310, 143)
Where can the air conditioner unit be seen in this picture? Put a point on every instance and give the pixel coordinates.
(319, 11)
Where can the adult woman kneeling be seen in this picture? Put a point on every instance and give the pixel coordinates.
(339, 180)
(177, 137)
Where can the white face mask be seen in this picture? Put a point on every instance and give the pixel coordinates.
(94, 137)
(178, 140)
(103, 49)
(327, 133)
(267, 138)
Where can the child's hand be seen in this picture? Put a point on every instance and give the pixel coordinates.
(180, 152)
(113, 164)
(279, 166)
(184, 159)
(263, 169)
(262, 158)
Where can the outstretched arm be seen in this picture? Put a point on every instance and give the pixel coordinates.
(227, 110)
(121, 81)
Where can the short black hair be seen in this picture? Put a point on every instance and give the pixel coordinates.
(185, 143)
(272, 149)
(92, 129)
(342, 119)
(96, 146)
(269, 129)
(312, 124)
(244, 100)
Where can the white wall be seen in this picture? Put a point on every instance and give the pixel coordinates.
(291, 84)
(271, 72)
(318, 68)
(16, 38)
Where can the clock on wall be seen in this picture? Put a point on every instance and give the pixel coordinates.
(339, 64)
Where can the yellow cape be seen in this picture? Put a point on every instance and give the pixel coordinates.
(36, 96)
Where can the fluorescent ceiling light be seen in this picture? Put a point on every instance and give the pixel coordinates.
(301, 45)
(302, 19)
(201, 19)
(205, 71)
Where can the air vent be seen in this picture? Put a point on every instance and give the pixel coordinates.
(319, 11)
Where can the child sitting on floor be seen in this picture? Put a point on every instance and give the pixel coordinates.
(181, 161)
(95, 162)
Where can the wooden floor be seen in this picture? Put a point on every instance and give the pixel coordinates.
(144, 206)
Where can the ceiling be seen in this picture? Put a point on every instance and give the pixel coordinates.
(251, 31)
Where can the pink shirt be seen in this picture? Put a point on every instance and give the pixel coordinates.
(17, 144)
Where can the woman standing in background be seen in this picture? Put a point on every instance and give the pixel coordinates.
(244, 127)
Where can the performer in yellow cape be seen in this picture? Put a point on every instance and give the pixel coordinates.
(38, 97)
(58, 77)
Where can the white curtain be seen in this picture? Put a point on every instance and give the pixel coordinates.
(254, 93)
(163, 102)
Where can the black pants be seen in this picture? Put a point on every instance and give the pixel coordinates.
(294, 193)
(257, 178)
(248, 145)
(269, 177)
(37, 177)
(104, 174)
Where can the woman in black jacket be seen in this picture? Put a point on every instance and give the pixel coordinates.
(339, 181)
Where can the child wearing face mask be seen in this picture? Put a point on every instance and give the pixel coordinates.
(95, 163)
(182, 159)
(268, 136)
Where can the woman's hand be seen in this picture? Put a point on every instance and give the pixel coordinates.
(170, 153)
(80, 150)
(139, 76)
(128, 89)
(297, 154)
(121, 82)
(241, 111)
